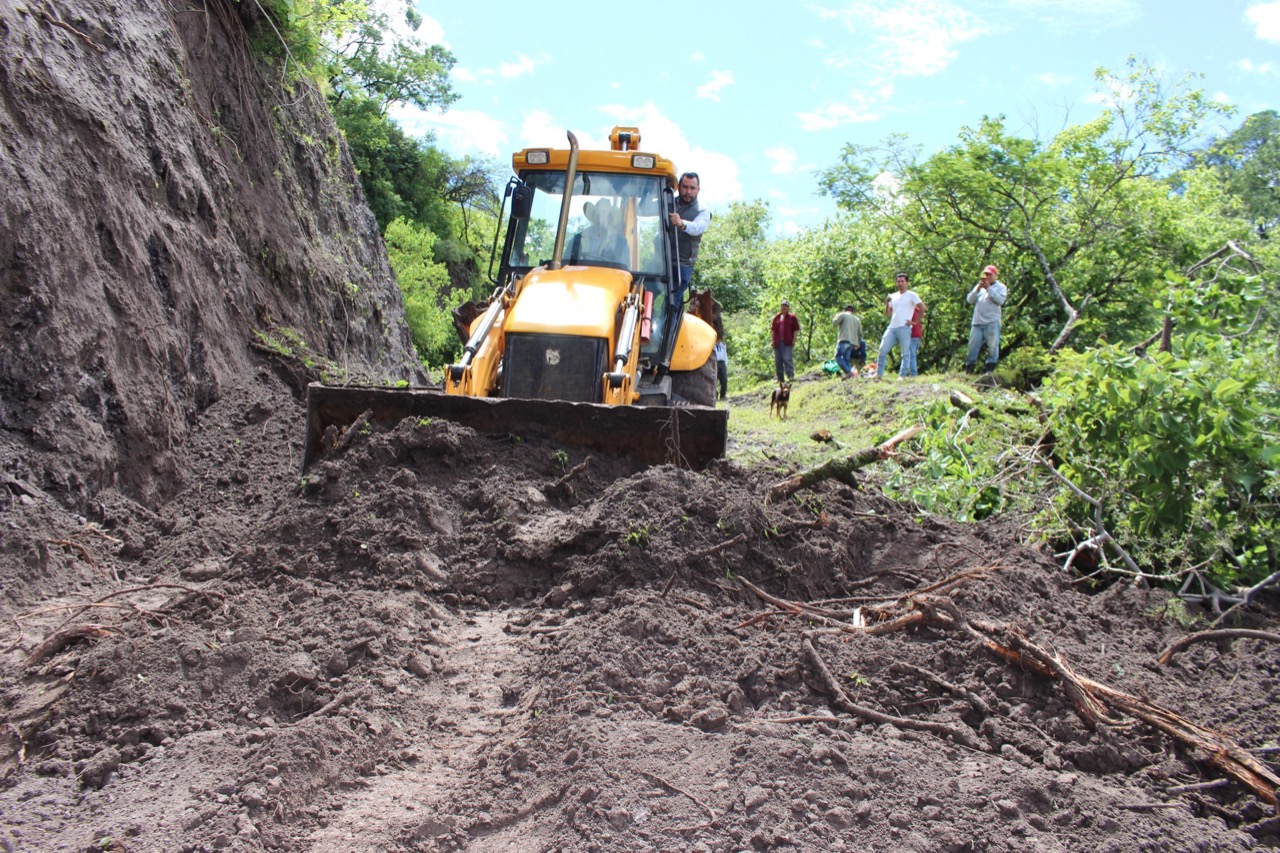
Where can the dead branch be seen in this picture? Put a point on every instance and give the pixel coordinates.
(350, 434)
(658, 780)
(841, 468)
(53, 21)
(761, 617)
(842, 701)
(561, 487)
(887, 615)
(1206, 636)
(1247, 596)
(334, 704)
(978, 703)
(1199, 786)
(193, 590)
(699, 556)
(965, 403)
(95, 530)
(60, 639)
(1089, 697)
(84, 552)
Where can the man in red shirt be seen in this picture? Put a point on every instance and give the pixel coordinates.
(785, 328)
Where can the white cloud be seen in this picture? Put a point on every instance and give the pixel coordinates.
(698, 56)
(1251, 67)
(1055, 79)
(1222, 98)
(521, 67)
(1265, 18)
(787, 227)
(1078, 13)
(718, 172)
(910, 38)
(429, 30)
(462, 75)
(711, 89)
(783, 159)
(460, 131)
(860, 108)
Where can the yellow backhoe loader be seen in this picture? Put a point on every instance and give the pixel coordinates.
(581, 339)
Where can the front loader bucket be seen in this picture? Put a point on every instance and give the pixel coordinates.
(653, 435)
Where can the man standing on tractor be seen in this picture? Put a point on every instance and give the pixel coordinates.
(691, 222)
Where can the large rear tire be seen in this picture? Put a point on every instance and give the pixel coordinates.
(697, 387)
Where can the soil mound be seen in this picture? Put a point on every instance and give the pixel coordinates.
(443, 640)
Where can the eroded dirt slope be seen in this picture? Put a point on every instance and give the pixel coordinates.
(439, 641)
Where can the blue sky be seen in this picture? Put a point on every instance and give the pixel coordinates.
(757, 102)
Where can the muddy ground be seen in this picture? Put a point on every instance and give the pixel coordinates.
(442, 640)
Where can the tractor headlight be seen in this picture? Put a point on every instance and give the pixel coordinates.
(642, 161)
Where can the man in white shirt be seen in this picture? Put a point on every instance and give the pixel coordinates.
(899, 308)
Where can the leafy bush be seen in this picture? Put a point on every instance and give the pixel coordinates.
(971, 465)
(1181, 450)
(422, 282)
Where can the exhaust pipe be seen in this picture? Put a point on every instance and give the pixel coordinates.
(557, 256)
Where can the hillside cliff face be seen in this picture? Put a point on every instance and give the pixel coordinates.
(165, 197)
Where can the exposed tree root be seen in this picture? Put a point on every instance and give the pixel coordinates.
(1095, 702)
(1205, 636)
(831, 686)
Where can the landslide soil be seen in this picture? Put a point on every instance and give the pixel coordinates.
(437, 639)
(444, 640)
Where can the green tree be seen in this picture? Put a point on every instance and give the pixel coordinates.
(1081, 225)
(731, 257)
(1248, 160)
(424, 285)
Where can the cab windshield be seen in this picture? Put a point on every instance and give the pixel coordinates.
(614, 221)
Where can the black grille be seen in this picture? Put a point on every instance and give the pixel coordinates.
(553, 367)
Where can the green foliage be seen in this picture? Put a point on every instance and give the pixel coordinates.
(1182, 450)
(731, 256)
(637, 535)
(962, 467)
(423, 284)
(1248, 162)
(1084, 218)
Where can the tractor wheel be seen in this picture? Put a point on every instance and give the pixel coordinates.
(697, 387)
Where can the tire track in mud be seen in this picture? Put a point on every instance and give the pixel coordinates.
(470, 705)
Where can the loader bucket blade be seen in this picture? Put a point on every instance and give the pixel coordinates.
(691, 436)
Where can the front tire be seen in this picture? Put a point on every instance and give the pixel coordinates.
(696, 387)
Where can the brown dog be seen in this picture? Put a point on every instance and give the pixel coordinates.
(778, 403)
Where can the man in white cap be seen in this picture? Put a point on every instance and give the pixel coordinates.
(785, 327)
(987, 297)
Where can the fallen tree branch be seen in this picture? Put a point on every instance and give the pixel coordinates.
(333, 442)
(978, 703)
(658, 780)
(842, 701)
(841, 468)
(699, 556)
(561, 487)
(54, 21)
(1008, 642)
(964, 403)
(1206, 636)
(60, 639)
(1247, 596)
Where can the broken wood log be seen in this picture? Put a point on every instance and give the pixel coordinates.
(842, 468)
(965, 403)
(1206, 636)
